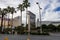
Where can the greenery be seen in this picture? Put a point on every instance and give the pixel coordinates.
(21, 8)
(26, 4)
(58, 28)
(2, 13)
(6, 31)
(23, 30)
(19, 29)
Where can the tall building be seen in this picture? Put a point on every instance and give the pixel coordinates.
(32, 19)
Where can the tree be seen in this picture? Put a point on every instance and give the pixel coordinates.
(58, 28)
(22, 25)
(21, 8)
(26, 5)
(8, 11)
(12, 10)
(2, 12)
(1, 20)
(44, 28)
(19, 29)
(51, 27)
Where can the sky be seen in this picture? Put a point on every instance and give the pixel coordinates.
(50, 8)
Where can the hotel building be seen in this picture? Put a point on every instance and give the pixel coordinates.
(16, 22)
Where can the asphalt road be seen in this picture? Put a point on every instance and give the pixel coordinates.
(32, 37)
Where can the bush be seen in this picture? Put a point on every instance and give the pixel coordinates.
(44, 33)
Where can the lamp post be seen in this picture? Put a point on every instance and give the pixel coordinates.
(39, 16)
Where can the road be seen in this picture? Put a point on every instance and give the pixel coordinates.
(32, 37)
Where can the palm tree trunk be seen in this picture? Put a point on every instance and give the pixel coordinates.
(2, 22)
(12, 22)
(26, 17)
(21, 18)
(8, 21)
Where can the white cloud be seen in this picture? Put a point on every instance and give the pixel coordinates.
(13, 3)
(50, 15)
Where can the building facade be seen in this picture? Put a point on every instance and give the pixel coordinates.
(16, 22)
(32, 21)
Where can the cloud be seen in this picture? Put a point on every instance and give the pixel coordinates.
(52, 16)
(48, 14)
(57, 9)
(47, 8)
(58, 1)
(13, 3)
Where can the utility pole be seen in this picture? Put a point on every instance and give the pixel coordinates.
(39, 16)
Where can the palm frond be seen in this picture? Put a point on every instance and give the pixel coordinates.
(20, 7)
(26, 3)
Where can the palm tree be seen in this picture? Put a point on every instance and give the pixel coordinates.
(8, 20)
(21, 8)
(2, 12)
(12, 10)
(8, 11)
(26, 5)
(1, 20)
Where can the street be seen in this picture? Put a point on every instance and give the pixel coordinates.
(32, 37)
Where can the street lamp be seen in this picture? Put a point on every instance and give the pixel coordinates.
(39, 15)
(38, 5)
